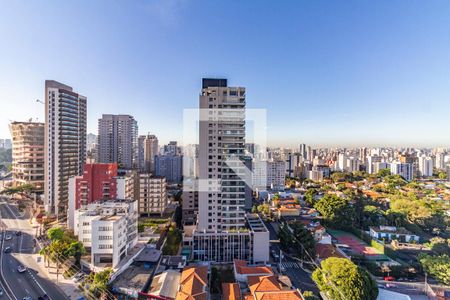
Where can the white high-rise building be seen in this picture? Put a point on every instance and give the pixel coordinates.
(403, 169)
(378, 166)
(425, 166)
(276, 174)
(117, 140)
(352, 164)
(342, 162)
(440, 160)
(65, 143)
(224, 232)
(371, 161)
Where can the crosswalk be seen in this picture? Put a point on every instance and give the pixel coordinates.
(291, 264)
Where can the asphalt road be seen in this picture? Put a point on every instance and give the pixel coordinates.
(29, 283)
(299, 278)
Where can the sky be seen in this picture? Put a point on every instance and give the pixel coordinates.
(328, 73)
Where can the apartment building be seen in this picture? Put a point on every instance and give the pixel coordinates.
(223, 231)
(28, 153)
(152, 194)
(189, 203)
(170, 167)
(99, 182)
(65, 143)
(108, 229)
(148, 148)
(403, 169)
(117, 140)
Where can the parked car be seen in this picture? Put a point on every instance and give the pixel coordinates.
(27, 298)
(43, 297)
(78, 277)
(8, 237)
(389, 278)
(19, 233)
(1, 291)
(7, 250)
(21, 268)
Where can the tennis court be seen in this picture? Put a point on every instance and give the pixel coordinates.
(357, 246)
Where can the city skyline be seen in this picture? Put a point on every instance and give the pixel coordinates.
(347, 74)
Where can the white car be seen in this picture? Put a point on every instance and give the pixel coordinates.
(8, 237)
(21, 269)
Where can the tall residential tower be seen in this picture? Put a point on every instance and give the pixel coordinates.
(224, 231)
(117, 140)
(65, 142)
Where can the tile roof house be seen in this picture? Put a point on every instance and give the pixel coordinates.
(193, 284)
(269, 288)
(231, 291)
(242, 271)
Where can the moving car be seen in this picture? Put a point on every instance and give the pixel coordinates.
(1, 291)
(8, 237)
(19, 233)
(21, 268)
(389, 278)
(7, 250)
(27, 298)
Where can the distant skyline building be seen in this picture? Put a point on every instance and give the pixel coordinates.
(403, 169)
(426, 164)
(148, 148)
(117, 140)
(65, 142)
(28, 142)
(170, 167)
(5, 143)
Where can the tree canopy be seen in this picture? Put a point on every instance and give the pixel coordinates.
(341, 279)
(437, 266)
(335, 210)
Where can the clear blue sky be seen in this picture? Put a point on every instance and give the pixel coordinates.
(328, 72)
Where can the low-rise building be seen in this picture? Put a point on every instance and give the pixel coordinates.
(390, 233)
(289, 210)
(193, 284)
(231, 291)
(268, 287)
(250, 243)
(242, 270)
(107, 229)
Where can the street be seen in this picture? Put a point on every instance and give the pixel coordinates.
(29, 283)
(299, 278)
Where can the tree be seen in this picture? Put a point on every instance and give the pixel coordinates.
(98, 283)
(310, 194)
(299, 239)
(55, 233)
(308, 295)
(436, 266)
(439, 245)
(77, 250)
(341, 279)
(442, 175)
(335, 210)
(383, 173)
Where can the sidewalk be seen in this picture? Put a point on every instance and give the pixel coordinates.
(66, 285)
